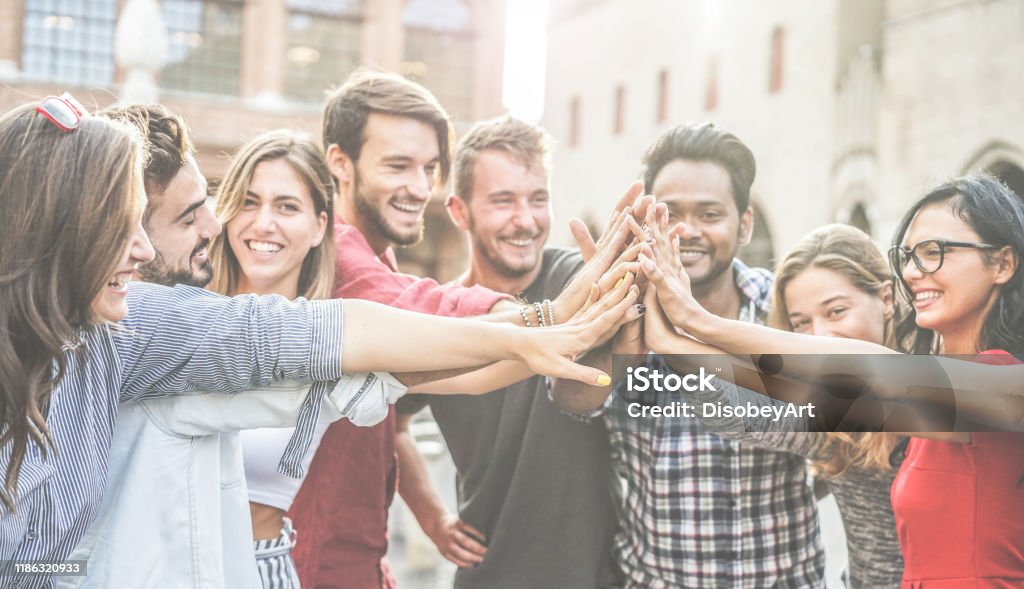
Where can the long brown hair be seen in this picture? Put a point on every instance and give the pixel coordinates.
(68, 203)
(316, 279)
(850, 252)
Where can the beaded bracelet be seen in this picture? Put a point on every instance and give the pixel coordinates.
(540, 314)
(526, 316)
(551, 311)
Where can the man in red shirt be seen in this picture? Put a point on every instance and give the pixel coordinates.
(388, 144)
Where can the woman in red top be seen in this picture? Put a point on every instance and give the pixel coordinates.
(958, 500)
(959, 497)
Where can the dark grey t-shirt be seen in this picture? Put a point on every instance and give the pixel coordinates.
(534, 480)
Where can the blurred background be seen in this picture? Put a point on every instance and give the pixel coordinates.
(853, 108)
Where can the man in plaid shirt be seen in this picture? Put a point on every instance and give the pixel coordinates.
(698, 510)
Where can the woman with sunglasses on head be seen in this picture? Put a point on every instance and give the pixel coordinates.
(958, 498)
(76, 337)
(833, 283)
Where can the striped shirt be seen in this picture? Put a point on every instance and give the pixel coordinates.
(699, 510)
(174, 340)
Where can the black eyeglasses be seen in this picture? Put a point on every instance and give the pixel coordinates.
(928, 255)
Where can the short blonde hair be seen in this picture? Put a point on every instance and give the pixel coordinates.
(316, 280)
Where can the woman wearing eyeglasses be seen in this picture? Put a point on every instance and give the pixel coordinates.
(76, 337)
(958, 498)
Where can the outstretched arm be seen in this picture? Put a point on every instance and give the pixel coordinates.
(990, 395)
(433, 343)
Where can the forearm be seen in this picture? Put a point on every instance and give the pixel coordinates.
(743, 338)
(415, 485)
(508, 311)
(945, 383)
(987, 394)
(476, 382)
(418, 382)
(377, 337)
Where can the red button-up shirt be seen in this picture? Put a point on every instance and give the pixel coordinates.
(341, 510)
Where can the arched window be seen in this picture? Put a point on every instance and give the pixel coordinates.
(776, 59)
(859, 218)
(1009, 173)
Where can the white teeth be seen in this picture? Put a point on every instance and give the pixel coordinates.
(408, 208)
(264, 247)
(120, 280)
(519, 242)
(690, 253)
(927, 295)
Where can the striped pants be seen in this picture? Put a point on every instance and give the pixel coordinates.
(274, 560)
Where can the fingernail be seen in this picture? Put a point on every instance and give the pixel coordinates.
(604, 380)
(619, 283)
(641, 308)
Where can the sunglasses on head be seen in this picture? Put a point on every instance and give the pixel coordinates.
(63, 111)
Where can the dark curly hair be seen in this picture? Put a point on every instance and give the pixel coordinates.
(167, 140)
(996, 214)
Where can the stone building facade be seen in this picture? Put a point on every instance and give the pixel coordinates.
(235, 68)
(853, 108)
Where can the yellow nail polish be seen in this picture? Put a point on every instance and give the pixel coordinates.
(619, 283)
(604, 380)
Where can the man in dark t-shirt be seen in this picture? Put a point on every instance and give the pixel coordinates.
(535, 507)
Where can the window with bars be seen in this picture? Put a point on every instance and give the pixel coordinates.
(323, 45)
(204, 45)
(69, 42)
(439, 52)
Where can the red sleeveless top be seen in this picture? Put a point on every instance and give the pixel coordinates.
(960, 509)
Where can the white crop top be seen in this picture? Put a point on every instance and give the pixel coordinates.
(363, 402)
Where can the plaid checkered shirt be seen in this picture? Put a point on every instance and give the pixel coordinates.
(698, 510)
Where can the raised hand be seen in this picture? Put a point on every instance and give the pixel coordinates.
(548, 350)
(660, 261)
(608, 250)
(582, 234)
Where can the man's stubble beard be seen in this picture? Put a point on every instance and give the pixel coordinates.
(496, 261)
(157, 272)
(376, 220)
(715, 272)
